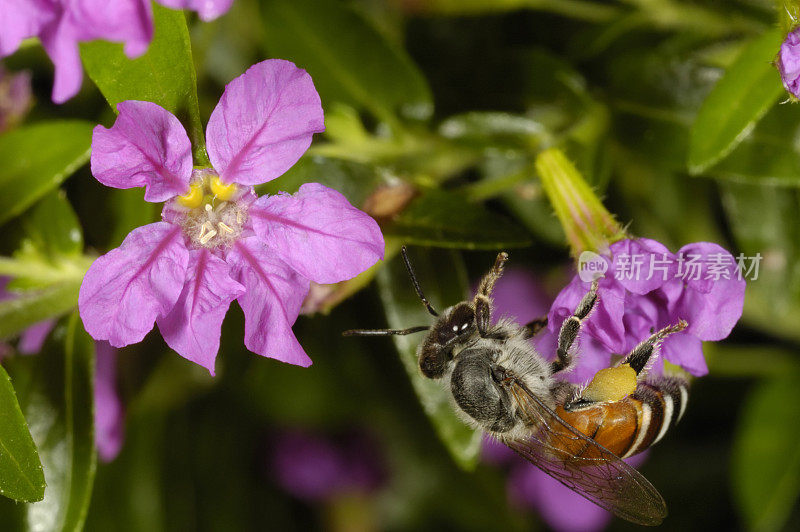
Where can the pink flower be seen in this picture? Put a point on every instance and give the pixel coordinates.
(315, 467)
(109, 422)
(15, 97)
(218, 241)
(61, 24)
(788, 62)
(646, 288)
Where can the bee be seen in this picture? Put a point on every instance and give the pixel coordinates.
(499, 383)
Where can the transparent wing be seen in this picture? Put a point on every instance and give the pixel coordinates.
(583, 465)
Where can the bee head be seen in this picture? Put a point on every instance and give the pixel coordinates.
(453, 328)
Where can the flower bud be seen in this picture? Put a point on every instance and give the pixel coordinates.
(586, 223)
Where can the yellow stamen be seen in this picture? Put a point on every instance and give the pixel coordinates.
(221, 190)
(193, 198)
(224, 228)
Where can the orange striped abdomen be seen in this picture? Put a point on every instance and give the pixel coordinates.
(628, 426)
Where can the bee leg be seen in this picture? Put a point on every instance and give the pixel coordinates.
(639, 357)
(483, 299)
(570, 329)
(533, 327)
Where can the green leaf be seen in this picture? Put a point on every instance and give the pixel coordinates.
(33, 306)
(483, 127)
(348, 59)
(738, 101)
(56, 394)
(164, 75)
(765, 220)
(37, 158)
(449, 220)
(766, 457)
(769, 155)
(354, 180)
(444, 280)
(52, 228)
(21, 476)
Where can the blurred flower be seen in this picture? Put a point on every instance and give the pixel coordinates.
(31, 339)
(315, 468)
(61, 24)
(646, 288)
(108, 412)
(219, 241)
(15, 97)
(788, 62)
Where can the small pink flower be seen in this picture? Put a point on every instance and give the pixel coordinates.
(788, 62)
(218, 241)
(15, 97)
(700, 283)
(62, 24)
(109, 414)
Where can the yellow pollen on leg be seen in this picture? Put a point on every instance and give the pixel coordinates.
(611, 384)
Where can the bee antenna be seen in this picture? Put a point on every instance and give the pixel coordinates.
(413, 276)
(385, 332)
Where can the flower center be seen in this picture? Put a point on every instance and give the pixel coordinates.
(212, 214)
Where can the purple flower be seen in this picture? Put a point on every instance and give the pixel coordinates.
(788, 62)
(646, 288)
(61, 24)
(109, 424)
(15, 97)
(31, 339)
(314, 468)
(218, 241)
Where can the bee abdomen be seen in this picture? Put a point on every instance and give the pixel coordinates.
(659, 404)
(631, 425)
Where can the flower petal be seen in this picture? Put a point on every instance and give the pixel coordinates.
(712, 303)
(263, 122)
(207, 10)
(605, 322)
(20, 19)
(192, 329)
(641, 265)
(147, 146)
(686, 351)
(108, 412)
(61, 44)
(271, 303)
(32, 339)
(128, 21)
(519, 295)
(318, 233)
(126, 289)
(590, 357)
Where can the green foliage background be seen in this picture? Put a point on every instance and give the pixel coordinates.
(672, 111)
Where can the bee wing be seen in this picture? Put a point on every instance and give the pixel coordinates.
(597, 474)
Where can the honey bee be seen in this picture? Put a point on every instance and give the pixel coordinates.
(499, 383)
